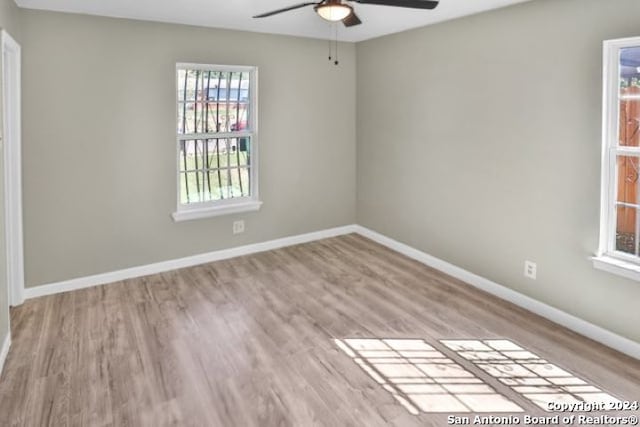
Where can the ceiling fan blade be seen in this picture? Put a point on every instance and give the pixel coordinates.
(414, 4)
(286, 9)
(351, 20)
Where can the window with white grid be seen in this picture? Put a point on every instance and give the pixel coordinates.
(216, 133)
(619, 250)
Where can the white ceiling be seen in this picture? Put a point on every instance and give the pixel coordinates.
(236, 14)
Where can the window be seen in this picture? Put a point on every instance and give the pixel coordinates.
(216, 131)
(619, 250)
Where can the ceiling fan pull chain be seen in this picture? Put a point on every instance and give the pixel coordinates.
(335, 26)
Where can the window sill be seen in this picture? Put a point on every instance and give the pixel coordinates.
(190, 214)
(617, 266)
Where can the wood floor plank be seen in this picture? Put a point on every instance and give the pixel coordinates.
(253, 341)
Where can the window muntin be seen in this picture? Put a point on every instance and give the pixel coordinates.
(216, 135)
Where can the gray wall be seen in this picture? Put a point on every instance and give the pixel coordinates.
(99, 147)
(10, 22)
(479, 143)
(10, 18)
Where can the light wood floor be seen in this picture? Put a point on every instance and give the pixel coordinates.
(251, 342)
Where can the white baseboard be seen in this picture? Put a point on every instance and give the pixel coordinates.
(160, 267)
(596, 333)
(560, 317)
(4, 351)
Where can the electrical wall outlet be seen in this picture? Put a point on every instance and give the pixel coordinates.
(238, 227)
(530, 269)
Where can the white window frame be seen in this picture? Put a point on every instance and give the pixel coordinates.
(607, 257)
(234, 205)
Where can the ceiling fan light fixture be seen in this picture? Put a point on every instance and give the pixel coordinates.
(333, 12)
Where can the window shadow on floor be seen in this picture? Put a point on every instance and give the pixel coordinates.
(423, 379)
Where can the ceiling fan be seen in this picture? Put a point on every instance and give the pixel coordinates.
(340, 10)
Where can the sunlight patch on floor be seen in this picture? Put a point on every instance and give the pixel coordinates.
(423, 379)
(526, 373)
